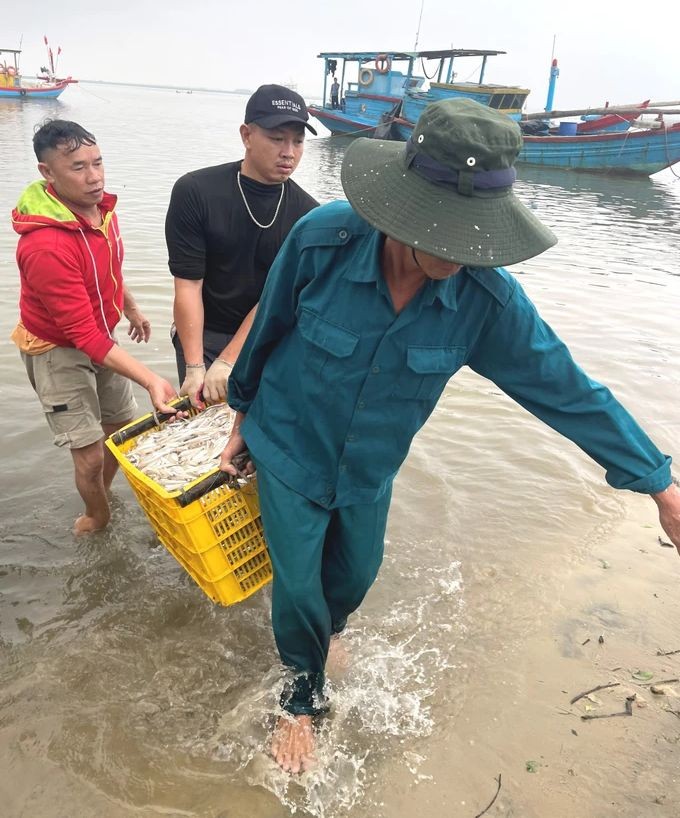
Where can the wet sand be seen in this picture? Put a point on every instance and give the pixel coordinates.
(526, 642)
(515, 716)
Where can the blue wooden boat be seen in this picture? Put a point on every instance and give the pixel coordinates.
(12, 85)
(629, 153)
(384, 101)
(385, 88)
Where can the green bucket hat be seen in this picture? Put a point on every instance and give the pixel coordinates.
(448, 191)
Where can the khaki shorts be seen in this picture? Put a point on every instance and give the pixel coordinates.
(78, 396)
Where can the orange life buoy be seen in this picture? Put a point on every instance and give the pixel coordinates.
(382, 63)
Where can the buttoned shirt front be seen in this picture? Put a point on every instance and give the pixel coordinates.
(335, 383)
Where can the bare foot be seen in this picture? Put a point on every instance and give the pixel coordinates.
(338, 659)
(86, 525)
(293, 744)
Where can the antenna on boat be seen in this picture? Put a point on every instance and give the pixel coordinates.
(554, 74)
(422, 4)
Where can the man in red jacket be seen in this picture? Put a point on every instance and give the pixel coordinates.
(70, 259)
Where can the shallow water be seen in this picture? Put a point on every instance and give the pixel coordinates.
(125, 692)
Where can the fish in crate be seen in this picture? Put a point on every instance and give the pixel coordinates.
(208, 520)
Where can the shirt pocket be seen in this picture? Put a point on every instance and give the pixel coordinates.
(325, 344)
(427, 371)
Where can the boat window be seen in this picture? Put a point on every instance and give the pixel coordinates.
(507, 101)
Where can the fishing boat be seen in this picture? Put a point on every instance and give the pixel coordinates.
(386, 89)
(13, 86)
(385, 97)
(603, 141)
(631, 153)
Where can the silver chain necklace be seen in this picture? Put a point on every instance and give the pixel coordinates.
(250, 212)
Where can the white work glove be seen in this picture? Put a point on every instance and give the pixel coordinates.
(192, 383)
(215, 383)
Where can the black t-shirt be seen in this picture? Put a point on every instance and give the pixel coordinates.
(210, 236)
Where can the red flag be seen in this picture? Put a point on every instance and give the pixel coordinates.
(58, 51)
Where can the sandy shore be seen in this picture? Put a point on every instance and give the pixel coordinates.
(529, 642)
(603, 621)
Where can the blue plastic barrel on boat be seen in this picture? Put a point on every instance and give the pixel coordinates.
(568, 128)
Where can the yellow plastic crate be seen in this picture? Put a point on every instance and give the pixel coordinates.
(213, 530)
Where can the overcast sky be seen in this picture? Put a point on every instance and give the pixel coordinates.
(604, 52)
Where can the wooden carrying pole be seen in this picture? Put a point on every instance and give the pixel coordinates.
(616, 109)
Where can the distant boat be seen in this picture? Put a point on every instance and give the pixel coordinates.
(631, 153)
(382, 95)
(12, 85)
(602, 142)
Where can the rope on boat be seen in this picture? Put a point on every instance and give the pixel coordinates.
(668, 155)
(623, 144)
(422, 65)
(362, 130)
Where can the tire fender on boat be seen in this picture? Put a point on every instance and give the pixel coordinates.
(382, 63)
(365, 76)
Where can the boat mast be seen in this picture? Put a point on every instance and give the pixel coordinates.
(554, 74)
(325, 80)
(422, 5)
(481, 73)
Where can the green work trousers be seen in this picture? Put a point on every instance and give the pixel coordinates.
(324, 561)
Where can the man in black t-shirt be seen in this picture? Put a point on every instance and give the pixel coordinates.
(224, 226)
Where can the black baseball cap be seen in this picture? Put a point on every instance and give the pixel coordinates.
(272, 106)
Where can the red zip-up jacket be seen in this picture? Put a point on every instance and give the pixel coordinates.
(71, 273)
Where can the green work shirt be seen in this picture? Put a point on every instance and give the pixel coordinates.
(335, 383)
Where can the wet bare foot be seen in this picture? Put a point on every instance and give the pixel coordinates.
(86, 525)
(338, 659)
(293, 744)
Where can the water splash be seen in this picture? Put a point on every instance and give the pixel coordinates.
(381, 703)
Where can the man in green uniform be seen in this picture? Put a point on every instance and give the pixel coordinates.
(369, 309)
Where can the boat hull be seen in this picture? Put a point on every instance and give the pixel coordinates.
(632, 153)
(35, 92)
(339, 124)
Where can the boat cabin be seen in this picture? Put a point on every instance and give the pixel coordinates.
(377, 87)
(9, 74)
